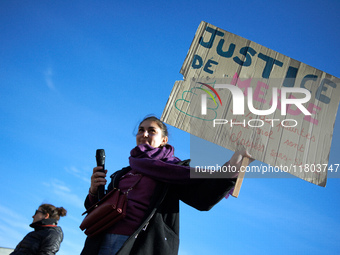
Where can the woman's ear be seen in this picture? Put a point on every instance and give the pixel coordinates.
(47, 216)
(164, 140)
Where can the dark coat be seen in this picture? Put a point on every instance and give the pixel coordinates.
(45, 239)
(159, 233)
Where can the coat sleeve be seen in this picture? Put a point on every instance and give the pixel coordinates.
(89, 201)
(205, 194)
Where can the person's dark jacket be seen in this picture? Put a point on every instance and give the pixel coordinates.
(159, 233)
(45, 239)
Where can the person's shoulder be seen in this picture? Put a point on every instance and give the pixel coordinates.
(56, 232)
(56, 229)
(115, 177)
(49, 232)
(120, 172)
(184, 162)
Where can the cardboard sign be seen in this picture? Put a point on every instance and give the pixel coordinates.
(241, 95)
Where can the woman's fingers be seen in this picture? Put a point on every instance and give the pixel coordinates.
(236, 159)
(97, 178)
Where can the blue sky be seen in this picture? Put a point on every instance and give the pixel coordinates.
(76, 76)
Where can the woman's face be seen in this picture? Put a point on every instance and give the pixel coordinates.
(150, 133)
(39, 215)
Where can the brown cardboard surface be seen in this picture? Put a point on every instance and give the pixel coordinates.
(219, 57)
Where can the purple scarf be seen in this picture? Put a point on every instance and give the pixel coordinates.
(159, 163)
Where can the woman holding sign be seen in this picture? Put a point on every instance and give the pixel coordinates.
(160, 180)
